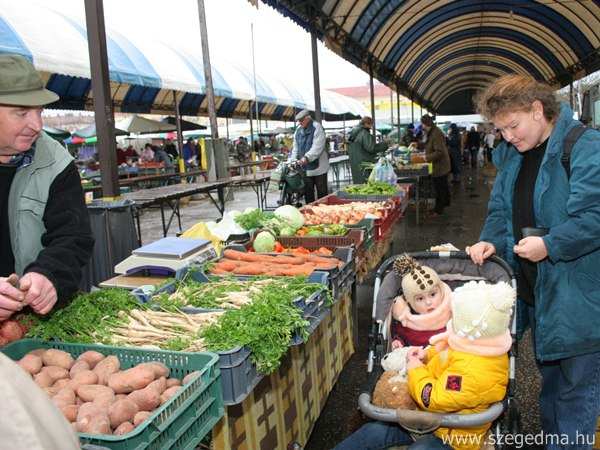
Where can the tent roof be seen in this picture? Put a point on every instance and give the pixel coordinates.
(90, 131)
(140, 125)
(441, 52)
(185, 125)
(145, 73)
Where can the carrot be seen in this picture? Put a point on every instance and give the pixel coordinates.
(326, 266)
(324, 251)
(226, 265)
(216, 271)
(242, 256)
(290, 260)
(249, 269)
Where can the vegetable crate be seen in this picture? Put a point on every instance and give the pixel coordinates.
(411, 172)
(181, 423)
(238, 374)
(338, 276)
(369, 224)
(397, 197)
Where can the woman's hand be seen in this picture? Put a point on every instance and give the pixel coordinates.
(531, 248)
(480, 252)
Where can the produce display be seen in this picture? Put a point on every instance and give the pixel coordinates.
(348, 213)
(248, 263)
(95, 395)
(322, 230)
(322, 251)
(11, 330)
(372, 188)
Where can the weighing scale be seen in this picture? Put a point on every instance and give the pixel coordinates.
(167, 256)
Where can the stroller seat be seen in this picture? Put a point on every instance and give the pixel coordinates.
(455, 269)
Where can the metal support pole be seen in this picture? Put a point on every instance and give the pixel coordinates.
(210, 92)
(398, 109)
(251, 130)
(391, 110)
(344, 131)
(372, 89)
(103, 109)
(227, 127)
(412, 109)
(254, 78)
(571, 94)
(316, 82)
(178, 123)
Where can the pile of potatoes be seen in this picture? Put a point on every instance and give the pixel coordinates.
(95, 395)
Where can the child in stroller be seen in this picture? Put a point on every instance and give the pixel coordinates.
(459, 384)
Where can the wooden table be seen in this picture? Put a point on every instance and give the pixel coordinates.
(241, 165)
(171, 196)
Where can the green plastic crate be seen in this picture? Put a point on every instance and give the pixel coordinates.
(179, 424)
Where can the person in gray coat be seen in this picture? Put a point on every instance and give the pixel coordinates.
(309, 149)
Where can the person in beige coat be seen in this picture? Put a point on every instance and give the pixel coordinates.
(437, 154)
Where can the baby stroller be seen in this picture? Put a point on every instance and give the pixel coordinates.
(454, 268)
(291, 183)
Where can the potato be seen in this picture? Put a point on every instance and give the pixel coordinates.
(70, 412)
(62, 383)
(124, 428)
(105, 399)
(190, 377)
(37, 352)
(147, 399)
(79, 366)
(106, 367)
(98, 424)
(43, 380)
(173, 382)
(160, 370)
(53, 357)
(90, 409)
(85, 377)
(91, 357)
(56, 372)
(120, 397)
(166, 396)
(122, 411)
(64, 397)
(89, 392)
(31, 363)
(51, 391)
(159, 385)
(140, 417)
(130, 380)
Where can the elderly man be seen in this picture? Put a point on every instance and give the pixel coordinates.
(45, 235)
(309, 149)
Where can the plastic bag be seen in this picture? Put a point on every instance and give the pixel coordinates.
(383, 172)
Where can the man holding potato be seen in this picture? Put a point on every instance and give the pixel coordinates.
(45, 235)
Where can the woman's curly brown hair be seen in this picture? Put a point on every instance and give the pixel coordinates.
(516, 93)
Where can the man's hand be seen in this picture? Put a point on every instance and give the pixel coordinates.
(480, 252)
(531, 248)
(40, 292)
(11, 298)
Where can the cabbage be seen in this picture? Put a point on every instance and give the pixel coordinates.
(290, 215)
(264, 242)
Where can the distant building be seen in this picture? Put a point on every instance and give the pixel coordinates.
(382, 102)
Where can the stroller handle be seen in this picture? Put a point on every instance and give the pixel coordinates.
(426, 422)
(452, 254)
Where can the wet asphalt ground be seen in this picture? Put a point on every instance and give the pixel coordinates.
(460, 225)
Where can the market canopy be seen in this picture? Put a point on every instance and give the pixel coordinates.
(90, 131)
(185, 125)
(140, 125)
(145, 73)
(441, 52)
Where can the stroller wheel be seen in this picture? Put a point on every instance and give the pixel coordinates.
(510, 424)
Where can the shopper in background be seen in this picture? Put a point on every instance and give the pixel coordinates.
(454, 150)
(362, 149)
(45, 235)
(437, 154)
(473, 143)
(147, 154)
(309, 149)
(543, 218)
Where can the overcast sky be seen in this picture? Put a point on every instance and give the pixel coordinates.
(282, 48)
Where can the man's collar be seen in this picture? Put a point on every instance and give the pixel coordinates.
(22, 160)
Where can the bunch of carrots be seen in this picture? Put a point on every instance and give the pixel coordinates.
(248, 263)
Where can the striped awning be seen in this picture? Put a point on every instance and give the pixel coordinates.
(146, 74)
(441, 52)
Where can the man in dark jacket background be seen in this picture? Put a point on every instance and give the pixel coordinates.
(362, 149)
(437, 154)
(44, 224)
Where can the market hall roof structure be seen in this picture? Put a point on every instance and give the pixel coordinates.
(144, 73)
(441, 52)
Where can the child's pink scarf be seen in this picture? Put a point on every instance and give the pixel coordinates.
(495, 346)
(436, 319)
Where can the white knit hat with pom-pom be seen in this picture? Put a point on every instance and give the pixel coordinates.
(482, 310)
